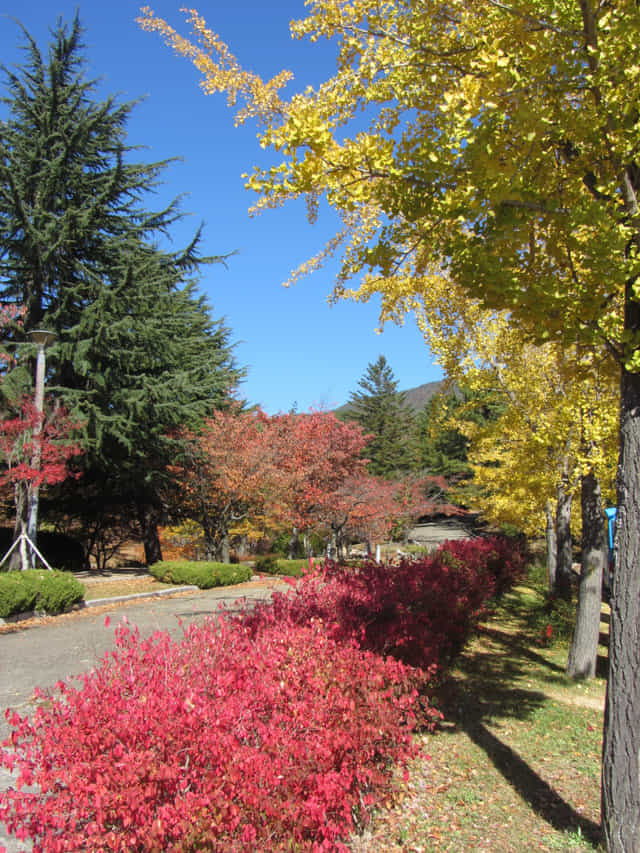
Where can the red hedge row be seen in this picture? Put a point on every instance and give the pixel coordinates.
(275, 730)
(418, 611)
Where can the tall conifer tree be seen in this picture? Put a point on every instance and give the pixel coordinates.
(379, 409)
(137, 353)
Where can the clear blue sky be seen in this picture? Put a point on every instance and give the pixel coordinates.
(297, 349)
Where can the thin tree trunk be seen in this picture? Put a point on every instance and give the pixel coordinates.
(564, 559)
(18, 561)
(242, 547)
(332, 550)
(293, 544)
(621, 745)
(208, 532)
(583, 654)
(552, 546)
(225, 549)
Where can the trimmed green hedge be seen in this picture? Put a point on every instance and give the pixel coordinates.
(278, 566)
(203, 575)
(38, 589)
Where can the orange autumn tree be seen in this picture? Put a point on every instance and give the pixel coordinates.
(317, 454)
(227, 473)
(284, 470)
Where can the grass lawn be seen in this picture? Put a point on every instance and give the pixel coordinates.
(516, 764)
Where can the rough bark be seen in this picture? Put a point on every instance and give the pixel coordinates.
(552, 546)
(621, 745)
(564, 558)
(583, 653)
(150, 535)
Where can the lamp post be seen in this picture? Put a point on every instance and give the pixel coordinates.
(42, 338)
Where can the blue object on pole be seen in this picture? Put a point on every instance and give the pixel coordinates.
(611, 513)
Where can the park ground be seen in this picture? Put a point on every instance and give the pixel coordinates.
(515, 766)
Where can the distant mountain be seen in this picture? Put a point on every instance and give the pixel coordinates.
(415, 398)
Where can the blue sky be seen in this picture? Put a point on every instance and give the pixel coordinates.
(298, 349)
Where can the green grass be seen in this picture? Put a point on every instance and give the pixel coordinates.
(515, 765)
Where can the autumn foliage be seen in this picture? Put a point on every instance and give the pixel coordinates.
(418, 611)
(302, 471)
(277, 729)
(30, 435)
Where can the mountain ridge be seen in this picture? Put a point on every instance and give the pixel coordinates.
(414, 398)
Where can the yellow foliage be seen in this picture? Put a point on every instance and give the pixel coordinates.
(484, 190)
(492, 143)
(561, 415)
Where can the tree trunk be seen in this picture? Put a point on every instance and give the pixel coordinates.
(293, 544)
(150, 536)
(552, 546)
(583, 654)
(564, 559)
(224, 549)
(242, 548)
(18, 561)
(332, 549)
(621, 746)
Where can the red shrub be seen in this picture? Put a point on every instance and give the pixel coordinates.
(226, 741)
(503, 558)
(275, 730)
(418, 611)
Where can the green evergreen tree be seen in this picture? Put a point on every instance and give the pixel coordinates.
(441, 440)
(379, 409)
(144, 359)
(137, 353)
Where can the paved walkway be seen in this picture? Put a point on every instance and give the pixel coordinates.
(40, 652)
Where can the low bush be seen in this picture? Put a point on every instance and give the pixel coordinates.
(223, 742)
(271, 565)
(277, 729)
(15, 595)
(267, 565)
(40, 590)
(419, 611)
(503, 558)
(203, 574)
(296, 568)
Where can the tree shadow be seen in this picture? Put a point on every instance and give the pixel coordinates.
(471, 706)
(521, 647)
(542, 798)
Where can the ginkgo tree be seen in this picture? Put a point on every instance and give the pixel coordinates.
(498, 142)
(556, 437)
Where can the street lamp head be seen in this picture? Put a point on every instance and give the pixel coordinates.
(42, 337)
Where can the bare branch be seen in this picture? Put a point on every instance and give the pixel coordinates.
(536, 22)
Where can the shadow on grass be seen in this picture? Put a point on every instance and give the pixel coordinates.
(521, 647)
(539, 794)
(487, 692)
